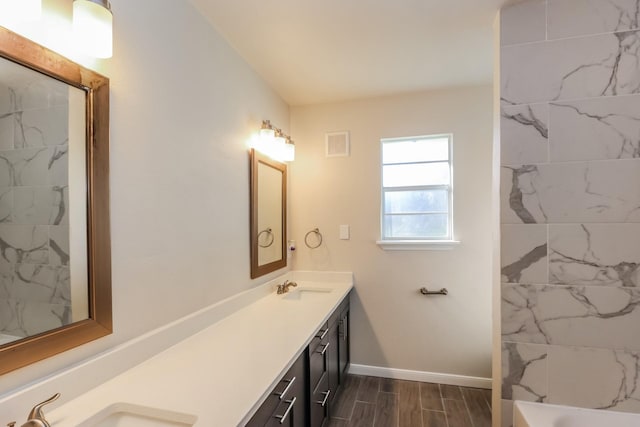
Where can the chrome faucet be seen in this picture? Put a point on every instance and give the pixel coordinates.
(284, 288)
(36, 416)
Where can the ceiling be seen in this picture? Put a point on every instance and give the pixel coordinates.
(331, 50)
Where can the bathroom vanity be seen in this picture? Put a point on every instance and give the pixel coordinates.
(233, 371)
(305, 394)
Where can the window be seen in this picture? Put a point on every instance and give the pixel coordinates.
(416, 189)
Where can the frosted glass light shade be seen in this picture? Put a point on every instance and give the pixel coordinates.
(20, 10)
(289, 152)
(267, 134)
(93, 27)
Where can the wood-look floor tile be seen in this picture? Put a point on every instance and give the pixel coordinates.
(457, 414)
(363, 415)
(434, 419)
(430, 396)
(343, 406)
(337, 422)
(389, 385)
(477, 405)
(488, 397)
(386, 410)
(368, 390)
(410, 412)
(450, 392)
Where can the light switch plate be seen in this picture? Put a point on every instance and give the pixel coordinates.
(344, 232)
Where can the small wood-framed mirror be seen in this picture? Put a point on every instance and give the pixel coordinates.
(268, 226)
(55, 251)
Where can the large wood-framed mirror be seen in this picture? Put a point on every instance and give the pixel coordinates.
(55, 251)
(268, 225)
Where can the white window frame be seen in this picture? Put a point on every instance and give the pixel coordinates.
(425, 242)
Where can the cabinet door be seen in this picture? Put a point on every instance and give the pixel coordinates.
(343, 345)
(319, 405)
(333, 362)
(286, 404)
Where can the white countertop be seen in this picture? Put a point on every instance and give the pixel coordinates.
(222, 373)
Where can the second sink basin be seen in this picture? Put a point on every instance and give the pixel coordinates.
(128, 415)
(307, 293)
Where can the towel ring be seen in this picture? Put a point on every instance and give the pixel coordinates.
(318, 235)
(269, 233)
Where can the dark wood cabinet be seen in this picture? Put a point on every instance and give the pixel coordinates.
(304, 395)
(343, 344)
(286, 405)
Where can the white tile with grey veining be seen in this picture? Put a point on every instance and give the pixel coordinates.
(594, 378)
(523, 253)
(524, 134)
(596, 316)
(41, 127)
(598, 191)
(58, 245)
(571, 68)
(40, 205)
(523, 22)
(595, 129)
(524, 372)
(594, 254)
(59, 165)
(40, 283)
(26, 318)
(6, 204)
(24, 167)
(571, 18)
(9, 318)
(6, 131)
(24, 243)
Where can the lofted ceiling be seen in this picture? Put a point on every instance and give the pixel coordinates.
(331, 50)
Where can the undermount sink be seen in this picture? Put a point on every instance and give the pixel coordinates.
(129, 415)
(307, 293)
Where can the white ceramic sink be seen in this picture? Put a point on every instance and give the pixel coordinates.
(129, 415)
(306, 293)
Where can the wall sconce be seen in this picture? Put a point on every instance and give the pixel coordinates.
(20, 10)
(274, 143)
(93, 27)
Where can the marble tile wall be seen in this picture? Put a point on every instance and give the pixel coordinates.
(34, 223)
(570, 203)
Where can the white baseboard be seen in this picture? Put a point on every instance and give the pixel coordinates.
(427, 377)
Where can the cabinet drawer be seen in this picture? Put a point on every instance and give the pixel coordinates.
(320, 337)
(317, 364)
(292, 385)
(320, 402)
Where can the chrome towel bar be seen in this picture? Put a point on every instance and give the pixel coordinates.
(425, 291)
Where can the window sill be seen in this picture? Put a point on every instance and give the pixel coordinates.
(417, 245)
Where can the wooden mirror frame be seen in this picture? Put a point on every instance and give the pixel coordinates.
(17, 354)
(256, 269)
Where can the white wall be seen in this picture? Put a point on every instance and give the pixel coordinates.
(393, 325)
(183, 106)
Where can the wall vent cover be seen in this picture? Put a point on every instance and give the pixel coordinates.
(337, 144)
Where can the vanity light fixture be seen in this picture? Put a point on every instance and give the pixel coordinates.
(93, 27)
(20, 10)
(267, 131)
(289, 150)
(274, 143)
